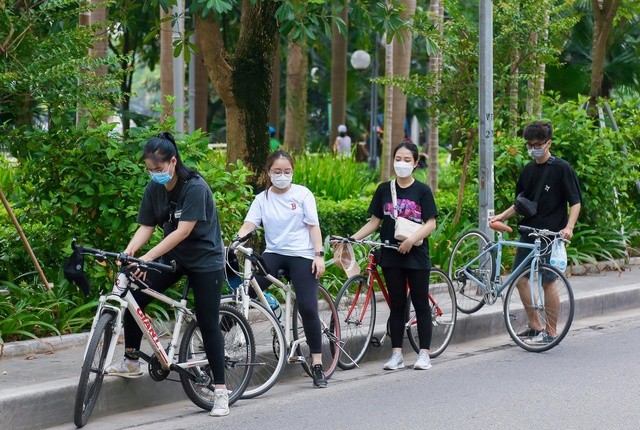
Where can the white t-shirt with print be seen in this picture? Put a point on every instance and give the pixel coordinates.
(286, 219)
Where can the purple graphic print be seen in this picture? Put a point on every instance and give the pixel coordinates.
(406, 209)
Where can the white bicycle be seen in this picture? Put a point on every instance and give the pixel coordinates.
(279, 342)
(191, 362)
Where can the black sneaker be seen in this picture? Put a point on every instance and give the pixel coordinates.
(529, 332)
(319, 380)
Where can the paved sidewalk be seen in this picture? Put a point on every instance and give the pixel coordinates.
(38, 379)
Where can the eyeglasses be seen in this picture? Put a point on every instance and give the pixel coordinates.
(539, 145)
(280, 172)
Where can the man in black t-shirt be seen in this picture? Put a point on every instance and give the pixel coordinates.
(559, 190)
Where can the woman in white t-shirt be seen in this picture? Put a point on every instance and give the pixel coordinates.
(342, 145)
(294, 242)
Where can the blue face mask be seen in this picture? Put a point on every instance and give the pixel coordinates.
(161, 178)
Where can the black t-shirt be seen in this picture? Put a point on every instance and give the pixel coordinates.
(192, 200)
(416, 203)
(560, 187)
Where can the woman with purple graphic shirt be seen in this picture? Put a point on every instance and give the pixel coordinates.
(409, 264)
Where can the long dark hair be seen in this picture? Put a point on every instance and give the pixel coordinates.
(275, 155)
(161, 149)
(411, 147)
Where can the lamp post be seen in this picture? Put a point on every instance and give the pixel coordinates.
(360, 60)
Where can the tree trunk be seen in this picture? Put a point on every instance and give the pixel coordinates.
(166, 65)
(338, 75)
(243, 81)
(604, 11)
(99, 50)
(401, 65)
(387, 139)
(471, 135)
(529, 104)
(201, 93)
(538, 88)
(274, 106)
(295, 126)
(435, 66)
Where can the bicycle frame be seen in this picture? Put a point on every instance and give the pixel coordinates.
(532, 258)
(116, 304)
(242, 296)
(373, 275)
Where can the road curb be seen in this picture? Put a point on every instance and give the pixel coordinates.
(45, 345)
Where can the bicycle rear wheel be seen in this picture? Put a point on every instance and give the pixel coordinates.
(330, 325)
(93, 368)
(271, 348)
(470, 294)
(442, 302)
(239, 351)
(356, 308)
(545, 297)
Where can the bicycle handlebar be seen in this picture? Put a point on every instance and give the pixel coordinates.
(537, 231)
(124, 259)
(384, 244)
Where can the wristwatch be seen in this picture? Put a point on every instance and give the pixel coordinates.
(319, 253)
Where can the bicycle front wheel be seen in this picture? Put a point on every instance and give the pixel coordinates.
(93, 368)
(330, 326)
(542, 299)
(239, 353)
(356, 307)
(442, 302)
(469, 293)
(271, 348)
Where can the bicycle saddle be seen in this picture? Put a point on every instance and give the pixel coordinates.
(500, 226)
(283, 274)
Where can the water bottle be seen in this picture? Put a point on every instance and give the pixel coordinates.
(274, 305)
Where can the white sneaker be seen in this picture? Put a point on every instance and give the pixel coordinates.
(126, 369)
(220, 403)
(395, 362)
(424, 362)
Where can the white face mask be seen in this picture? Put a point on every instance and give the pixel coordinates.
(403, 169)
(281, 180)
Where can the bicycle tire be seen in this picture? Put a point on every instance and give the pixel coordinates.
(270, 345)
(515, 314)
(442, 301)
(356, 308)
(330, 334)
(238, 344)
(88, 391)
(470, 294)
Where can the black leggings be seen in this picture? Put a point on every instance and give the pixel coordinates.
(206, 288)
(418, 280)
(306, 288)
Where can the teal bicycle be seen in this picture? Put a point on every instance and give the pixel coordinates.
(538, 305)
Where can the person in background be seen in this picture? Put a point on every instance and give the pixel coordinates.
(408, 264)
(559, 191)
(342, 145)
(274, 144)
(178, 200)
(288, 214)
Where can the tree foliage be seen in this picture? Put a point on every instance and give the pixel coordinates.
(45, 67)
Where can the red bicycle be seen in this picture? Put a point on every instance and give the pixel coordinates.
(356, 304)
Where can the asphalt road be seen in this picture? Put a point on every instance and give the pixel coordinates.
(590, 381)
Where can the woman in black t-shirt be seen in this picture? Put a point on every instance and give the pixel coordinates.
(410, 264)
(178, 200)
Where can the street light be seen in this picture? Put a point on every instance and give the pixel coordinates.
(360, 60)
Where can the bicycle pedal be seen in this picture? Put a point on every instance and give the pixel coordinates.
(297, 359)
(376, 342)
